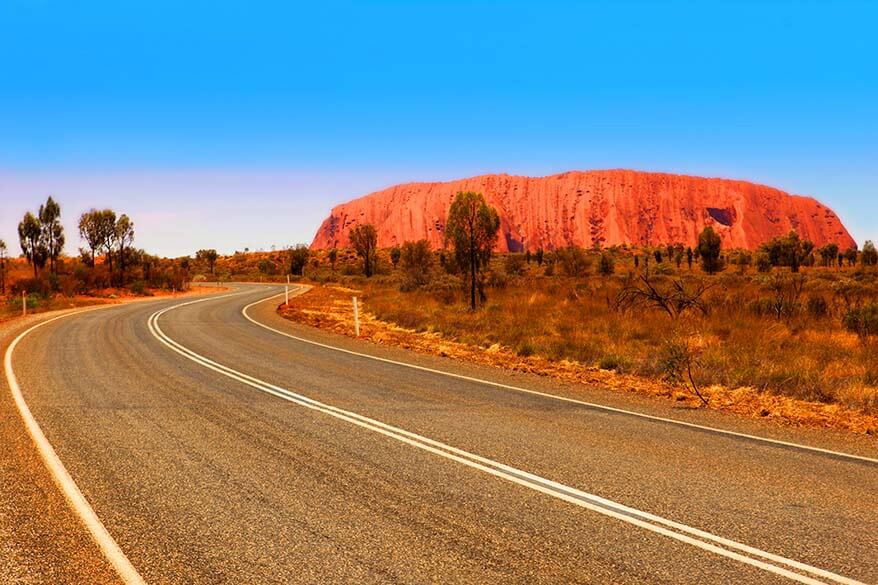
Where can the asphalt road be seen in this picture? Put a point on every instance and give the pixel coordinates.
(214, 450)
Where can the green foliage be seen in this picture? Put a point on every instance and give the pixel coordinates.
(395, 254)
(267, 267)
(416, 262)
(298, 257)
(607, 264)
(573, 261)
(817, 306)
(52, 235)
(709, 249)
(611, 362)
(471, 230)
(785, 294)
(33, 247)
(869, 256)
(514, 264)
(862, 320)
(763, 262)
(210, 256)
(828, 254)
(364, 240)
(789, 250)
(3, 269)
(98, 229)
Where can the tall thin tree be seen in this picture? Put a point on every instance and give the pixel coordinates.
(364, 239)
(52, 232)
(32, 246)
(124, 239)
(471, 229)
(3, 254)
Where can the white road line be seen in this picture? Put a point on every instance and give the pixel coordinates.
(766, 561)
(62, 478)
(556, 397)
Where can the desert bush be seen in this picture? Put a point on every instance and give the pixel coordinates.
(496, 279)
(416, 261)
(785, 292)
(446, 288)
(612, 361)
(862, 320)
(763, 262)
(39, 286)
(298, 259)
(514, 264)
(816, 306)
(607, 264)
(673, 296)
(138, 287)
(526, 349)
(573, 261)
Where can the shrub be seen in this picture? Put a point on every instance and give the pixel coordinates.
(496, 279)
(817, 306)
(446, 288)
(763, 262)
(138, 287)
(573, 261)
(416, 261)
(611, 362)
(514, 264)
(862, 320)
(39, 286)
(526, 349)
(607, 265)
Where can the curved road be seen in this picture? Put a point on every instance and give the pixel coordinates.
(216, 450)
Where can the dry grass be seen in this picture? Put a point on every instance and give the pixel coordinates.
(799, 369)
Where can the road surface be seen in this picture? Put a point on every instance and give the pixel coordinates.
(215, 444)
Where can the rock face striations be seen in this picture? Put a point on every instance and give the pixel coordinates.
(592, 207)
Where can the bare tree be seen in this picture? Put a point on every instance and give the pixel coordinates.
(674, 298)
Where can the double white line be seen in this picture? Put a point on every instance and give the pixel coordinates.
(778, 565)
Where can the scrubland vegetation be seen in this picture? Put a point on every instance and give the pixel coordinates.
(108, 265)
(786, 319)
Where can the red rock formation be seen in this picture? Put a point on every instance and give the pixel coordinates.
(586, 208)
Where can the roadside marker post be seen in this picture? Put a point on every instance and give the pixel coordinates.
(23, 304)
(356, 318)
(287, 292)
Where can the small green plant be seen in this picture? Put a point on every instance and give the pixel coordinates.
(863, 321)
(607, 265)
(611, 362)
(677, 362)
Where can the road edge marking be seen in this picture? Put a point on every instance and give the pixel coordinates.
(686, 534)
(62, 478)
(716, 430)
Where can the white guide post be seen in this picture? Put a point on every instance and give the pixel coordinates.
(356, 318)
(23, 304)
(287, 292)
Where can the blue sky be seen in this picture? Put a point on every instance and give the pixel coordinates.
(233, 124)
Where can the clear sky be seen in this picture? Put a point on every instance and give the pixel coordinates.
(232, 124)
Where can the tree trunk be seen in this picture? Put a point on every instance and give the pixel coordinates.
(472, 288)
(121, 266)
